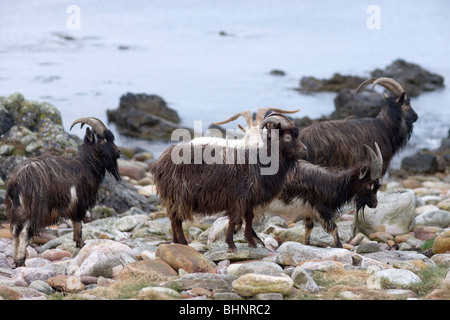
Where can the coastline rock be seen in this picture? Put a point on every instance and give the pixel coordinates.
(414, 79)
(144, 116)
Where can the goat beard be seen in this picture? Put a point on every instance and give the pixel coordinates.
(110, 161)
(360, 205)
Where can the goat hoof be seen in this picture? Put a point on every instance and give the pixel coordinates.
(20, 263)
(79, 243)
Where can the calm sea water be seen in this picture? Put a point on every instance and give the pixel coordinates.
(174, 49)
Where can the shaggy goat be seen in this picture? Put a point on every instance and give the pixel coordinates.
(335, 143)
(316, 193)
(46, 188)
(236, 187)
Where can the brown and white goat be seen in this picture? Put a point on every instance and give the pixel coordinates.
(316, 193)
(336, 143)
(236, 188)
(46, 188)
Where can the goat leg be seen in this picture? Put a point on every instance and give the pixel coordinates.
(229, 235)
(177, 228)
(309, 225)
(249, 233)
(77, 234)
(332, 228)
(20, 237)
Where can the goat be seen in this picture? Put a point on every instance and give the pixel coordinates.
(252, 133)
(317, 193)
(233, 187)
(46, 188)
(335, 143)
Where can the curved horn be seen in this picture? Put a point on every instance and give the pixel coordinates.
(246, 114)
(365, 83)
(277, 118)
(390, 84)
(262, 112)
(95, 123)
(376, 162)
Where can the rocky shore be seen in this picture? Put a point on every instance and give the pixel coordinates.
(400, 250)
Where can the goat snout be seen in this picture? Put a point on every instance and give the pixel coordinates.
(373, 204)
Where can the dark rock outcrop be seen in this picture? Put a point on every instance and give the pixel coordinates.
(144, 116)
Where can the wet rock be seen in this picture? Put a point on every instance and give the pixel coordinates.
(336, 83)
(420, 163)
(394, 213)
(364, 104)
(144, 116)
(414, 79)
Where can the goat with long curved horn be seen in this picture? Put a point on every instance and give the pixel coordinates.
(390, 84)
(95, 123)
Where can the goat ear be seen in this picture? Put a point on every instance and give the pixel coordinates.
(91, 136)
(363, 171)
(402, 98)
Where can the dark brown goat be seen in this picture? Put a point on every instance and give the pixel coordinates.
(235, 188)
(315, 193)
(336, 143)
(46, 188)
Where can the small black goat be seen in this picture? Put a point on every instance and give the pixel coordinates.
(46, 188)
(236, 188)
(335, 143)
(315, 193)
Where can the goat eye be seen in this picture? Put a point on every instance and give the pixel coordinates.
(287, 137)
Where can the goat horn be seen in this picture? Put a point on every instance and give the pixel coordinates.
(376, 164)
(368, 81)
(95, 123)
(246, 114)
(390, 84)
(277, 118)
(262, 112)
